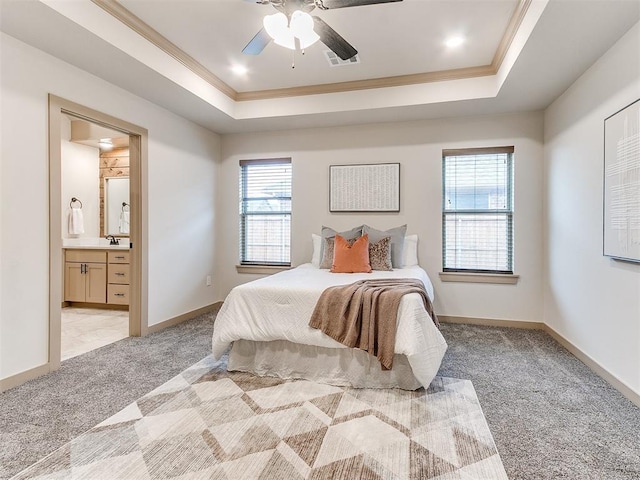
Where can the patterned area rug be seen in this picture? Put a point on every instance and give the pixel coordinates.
(207, 423)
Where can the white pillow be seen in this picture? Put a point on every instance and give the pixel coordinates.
(315, 258)
(410, 251)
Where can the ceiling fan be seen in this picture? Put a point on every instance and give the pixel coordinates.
(292, 27)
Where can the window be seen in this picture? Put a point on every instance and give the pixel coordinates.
(477, 210)
(265, 212)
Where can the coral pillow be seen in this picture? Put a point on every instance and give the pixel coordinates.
(351, 258)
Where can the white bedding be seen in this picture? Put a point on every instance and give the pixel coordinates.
(279, 307)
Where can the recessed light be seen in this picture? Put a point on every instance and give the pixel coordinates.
(452, 42)
(239, 69)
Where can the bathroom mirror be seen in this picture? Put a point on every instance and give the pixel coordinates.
(116, 206)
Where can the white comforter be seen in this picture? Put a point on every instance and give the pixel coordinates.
(279, 307)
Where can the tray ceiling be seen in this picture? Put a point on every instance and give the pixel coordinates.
(518, 55)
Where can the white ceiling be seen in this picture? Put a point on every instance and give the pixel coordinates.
(556, 42)
(392, 39)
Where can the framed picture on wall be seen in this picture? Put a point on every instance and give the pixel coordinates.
(364, 188)
(621, 227)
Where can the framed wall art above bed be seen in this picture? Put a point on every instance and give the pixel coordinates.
(364, 188)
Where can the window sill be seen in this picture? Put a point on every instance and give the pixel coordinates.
(261, 269)
(500, 278)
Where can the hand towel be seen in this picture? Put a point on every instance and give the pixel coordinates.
(76, 221)
(124, 222)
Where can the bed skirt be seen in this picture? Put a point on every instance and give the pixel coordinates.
(334, 366)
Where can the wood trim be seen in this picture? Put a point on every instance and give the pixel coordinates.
(266, 161)
(139, 234)
(598, 369)
(112, 164)
(183, 318)
(595, 367)
(510, 33)
(382, 82)
(132, 21)
(453, 152)
(136, 24)
(101, 306)
(56, 255)
(93, 116)
(495, 278)
(23, 377)
(138, 158)
(492, 322)
(261, 269)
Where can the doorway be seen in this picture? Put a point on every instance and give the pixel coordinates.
(69, 246)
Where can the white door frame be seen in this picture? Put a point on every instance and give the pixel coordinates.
(138, 138)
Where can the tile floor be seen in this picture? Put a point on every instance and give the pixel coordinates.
(85, 329)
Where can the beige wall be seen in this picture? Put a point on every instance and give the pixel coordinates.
(80, 167)
(591, 300)
(418, 147)
(181, 179)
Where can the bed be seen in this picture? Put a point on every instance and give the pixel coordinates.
(266, 322)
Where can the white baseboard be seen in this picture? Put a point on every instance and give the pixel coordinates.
(182, 318)
(624, 389)
(598, 369)
(491, 322)
(23, 377)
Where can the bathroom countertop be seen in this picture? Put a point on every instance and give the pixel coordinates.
(96, 247)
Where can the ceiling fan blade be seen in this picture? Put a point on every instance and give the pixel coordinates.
(331, 4)
(257, 43)
(333, 40)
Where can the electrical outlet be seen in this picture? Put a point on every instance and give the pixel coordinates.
(208, 280)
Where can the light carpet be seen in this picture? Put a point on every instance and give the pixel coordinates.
(210, 423)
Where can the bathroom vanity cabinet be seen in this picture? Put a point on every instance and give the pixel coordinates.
(96, 276)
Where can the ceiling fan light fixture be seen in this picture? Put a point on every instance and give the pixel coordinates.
(284, 32)
(302, 28)
(277, 27)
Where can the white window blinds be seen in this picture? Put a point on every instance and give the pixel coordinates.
(477, 214)
(265, 212)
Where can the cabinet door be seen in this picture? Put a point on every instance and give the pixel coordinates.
(96, 283)
(74, 282)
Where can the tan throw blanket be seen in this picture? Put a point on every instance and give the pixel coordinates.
(364, 314)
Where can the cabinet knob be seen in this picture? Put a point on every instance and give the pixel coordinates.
(118, 294)
(120, 258)
(119, 274)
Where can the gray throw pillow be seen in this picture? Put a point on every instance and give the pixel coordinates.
(397, 241)
(328, 232)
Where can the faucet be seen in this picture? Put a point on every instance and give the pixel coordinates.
(112, 240)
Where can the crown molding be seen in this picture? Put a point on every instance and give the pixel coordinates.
(509, 34)
(118, 11)
(383, 82)
(135, 23)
